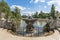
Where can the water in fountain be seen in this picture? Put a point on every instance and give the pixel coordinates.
(38, 27)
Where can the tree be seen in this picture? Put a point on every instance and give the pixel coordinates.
(41, 14)
(53, 11)
(4, 8)
(17, 13)
(36, 15)
(24, 16)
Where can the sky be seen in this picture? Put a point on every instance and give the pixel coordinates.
(29, 7)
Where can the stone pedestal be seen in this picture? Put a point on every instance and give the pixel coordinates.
(29, 28)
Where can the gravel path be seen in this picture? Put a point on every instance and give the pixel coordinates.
(4, 35)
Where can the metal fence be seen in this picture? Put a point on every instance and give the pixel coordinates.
(38, 31)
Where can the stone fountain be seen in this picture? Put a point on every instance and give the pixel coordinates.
(29, 21)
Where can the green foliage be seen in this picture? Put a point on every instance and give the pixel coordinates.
(4, 8)
(9, 14)
(36, 15)
(41, 15)
(46, 15)
(17, 13)
(53, 11)
(24, 16)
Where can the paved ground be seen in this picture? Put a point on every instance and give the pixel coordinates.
(4, 35)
